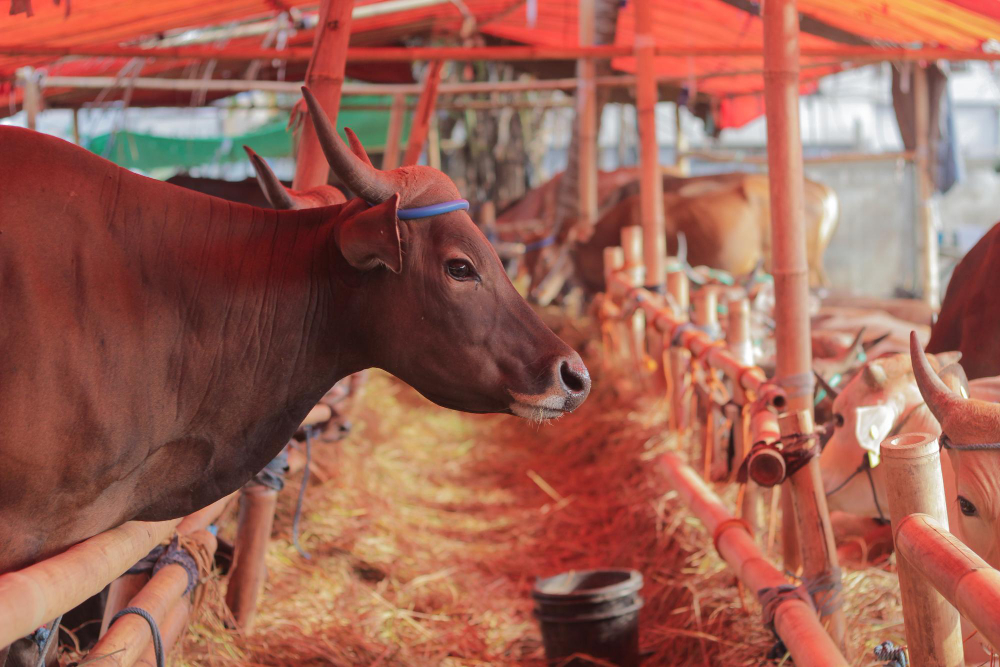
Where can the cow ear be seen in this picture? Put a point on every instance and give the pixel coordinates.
(370, 238)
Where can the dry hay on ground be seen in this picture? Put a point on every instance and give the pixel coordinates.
(428, 528)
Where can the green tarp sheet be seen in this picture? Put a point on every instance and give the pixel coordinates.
(149, 152)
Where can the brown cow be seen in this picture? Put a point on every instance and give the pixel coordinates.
(161, 346)
(970, 314)
(725, 217)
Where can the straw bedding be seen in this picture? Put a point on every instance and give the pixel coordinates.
(426, 529)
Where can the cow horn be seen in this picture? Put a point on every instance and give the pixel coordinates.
(857, 347)
(826, 386)
(367, 182)
(874, 341)
(274, 190)
(358, 149)
(875, 376)
(939, 398)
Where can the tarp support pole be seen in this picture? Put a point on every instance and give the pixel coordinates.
(32, 97)
(650, 183)
(791, 281)
(394, 133)
(924, 189)
(681, 159)
(325, 77)
(587, 125)
(424, 114)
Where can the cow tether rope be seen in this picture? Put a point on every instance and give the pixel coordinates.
(309, 430)
(946, 443)
(43, 638)
(155, 631)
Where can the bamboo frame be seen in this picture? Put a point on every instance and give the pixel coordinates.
(325, 78)
(650, 179)
(587, 123)
(501, 53)
(914, 485)
(246, 578)
(924, 190)
(956, 572)
(424, 114)
(791, 283)
(394, 133)
(126, 640)
(794, 621)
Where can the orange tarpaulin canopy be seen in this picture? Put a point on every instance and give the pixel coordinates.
(735, 81)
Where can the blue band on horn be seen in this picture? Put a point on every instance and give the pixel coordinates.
(433, 209)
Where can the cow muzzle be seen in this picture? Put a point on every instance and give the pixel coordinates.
(569, 386)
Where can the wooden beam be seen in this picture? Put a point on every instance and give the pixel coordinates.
(791, 283)
(422, 117)
(500, 53)
(650, 180)
(390, 156)
(325, 78)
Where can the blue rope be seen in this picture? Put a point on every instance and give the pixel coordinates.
(43, 638)
(302, 495)
(155, 631)
(433, 209)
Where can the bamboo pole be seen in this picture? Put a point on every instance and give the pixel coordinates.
(681, 160)
(33, 596)
(173, 627)
(851, 54)
(791, 282)
(32, 98)
(76, 126)
(587, 123)
(424, 114)
(434, 142)
(914, 485)
(924, 189)
(958, 573)
(650, 180)
(126, 640)
(324, 77)
(738, 338)
(246, 578)
(635, 272)
(125, 587)
(394, 134)
(794, 621)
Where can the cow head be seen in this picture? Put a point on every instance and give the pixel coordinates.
(964, 422)
(882, 399)
(283, 198)
(439, 311)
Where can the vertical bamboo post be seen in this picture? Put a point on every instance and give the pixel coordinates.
(791, 278)
(246, 579)
(325, 77)
(32, 97)
(76, 126)
(614, 261)
(394, 135)
(650, 181)
(924, 189)
(740, 345)
(679, 358)
(681, 161)
(587, 124)
(424, 114)
(914, 485)
(434, 143)
(121, 590)
(635, 271)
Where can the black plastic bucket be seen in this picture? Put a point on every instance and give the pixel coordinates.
(591, 612)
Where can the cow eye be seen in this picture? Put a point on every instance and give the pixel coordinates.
(838, 420)
(968, 509)
(460, 269)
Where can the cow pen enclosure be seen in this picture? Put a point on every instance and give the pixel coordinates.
(758, 468)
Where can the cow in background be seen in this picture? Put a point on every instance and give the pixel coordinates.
(969, 320)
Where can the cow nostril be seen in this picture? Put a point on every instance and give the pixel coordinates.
(572, 380)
